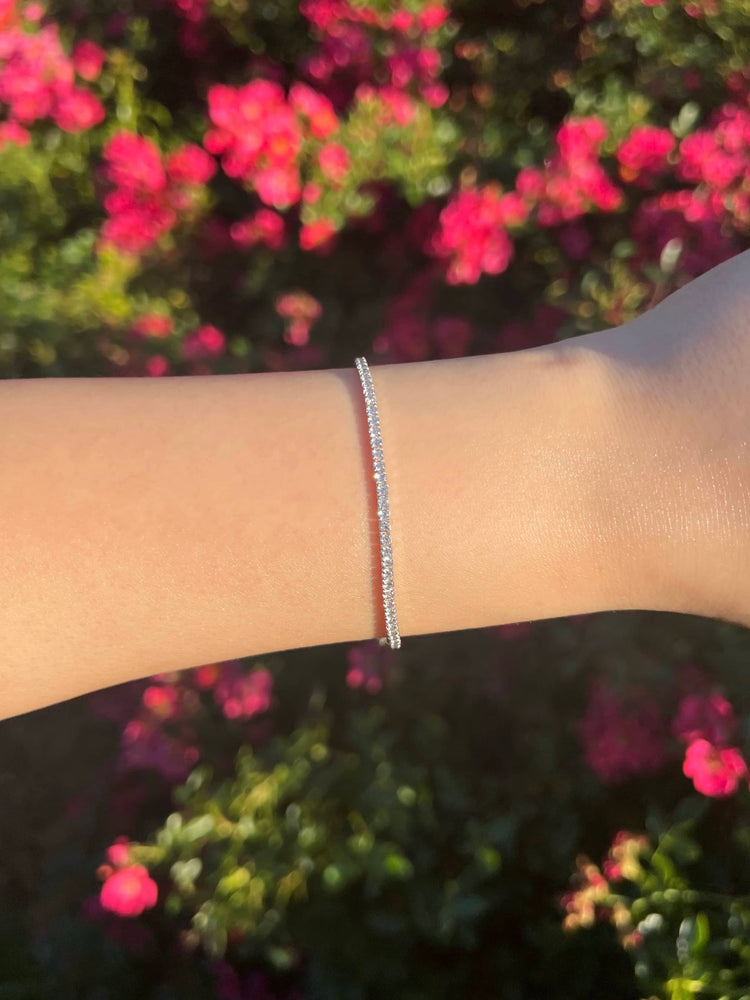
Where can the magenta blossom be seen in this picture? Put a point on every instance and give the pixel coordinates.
(129, 891)
(644, 152)
(715, 771)
(241, 694)
(473, 235)
(88, 59)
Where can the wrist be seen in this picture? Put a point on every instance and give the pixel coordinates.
(674, 497)
(504, 493)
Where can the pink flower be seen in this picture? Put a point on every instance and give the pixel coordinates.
(207, 342)
(573, 180)
(421, 65)
(472, 233)
(691, 216)
(357, 677)
(33, 11)
(645, 151)
(282, 139)
(194, 11)
(278, 186)
(717, 156)
(435, 94)
(148, 194)
(397, 105)
(402, 20)
(162, 700)
(311, 193)
(157, 365)
(334, 161)
(118, 853)
(13, 132)
(571, 187)
(259, 137)
(702, 159)
(714, 771)
(346, 50)
(88, 59)
(530, 183)
(702, 8)
(710, 718)
(129, 891)
(207, 675)
(241, 694)
(34, 72)
(265, 226)
(433, 15)
(323, 13)
(190, 165)
(78, 110)
(315, 234)
(370, 666)
(152, 325)
(135, 226)
(579, 138)
(301, 310)
(298, 305)
(133, 162)
(37, 79)
(315, 108)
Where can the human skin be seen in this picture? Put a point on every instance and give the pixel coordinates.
(152, 525)
(682, 374)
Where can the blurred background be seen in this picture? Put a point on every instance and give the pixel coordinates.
(557, 809)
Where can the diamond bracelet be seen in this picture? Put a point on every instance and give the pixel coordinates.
(381, 486)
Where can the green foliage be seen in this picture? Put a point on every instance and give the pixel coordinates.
(306, 822)
(684, 940)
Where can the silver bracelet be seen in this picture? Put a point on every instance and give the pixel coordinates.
(381, 486)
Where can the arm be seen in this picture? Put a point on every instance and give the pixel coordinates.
(158, 524)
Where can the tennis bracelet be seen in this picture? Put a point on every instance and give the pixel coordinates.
(381, 486)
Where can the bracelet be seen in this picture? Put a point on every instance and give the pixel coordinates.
(381, 486)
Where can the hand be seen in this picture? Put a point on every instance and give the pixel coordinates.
(682, 372)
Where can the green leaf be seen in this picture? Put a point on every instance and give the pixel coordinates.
(186, 872)
(670, 255)
(235, 880)
(687, 117)
(663, 866)
(397, 865)
(199, 827)
(174, 822)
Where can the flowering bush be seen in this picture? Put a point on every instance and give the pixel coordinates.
(202, 186)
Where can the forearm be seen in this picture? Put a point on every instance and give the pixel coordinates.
(158, 524)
